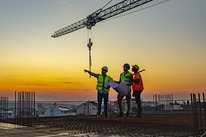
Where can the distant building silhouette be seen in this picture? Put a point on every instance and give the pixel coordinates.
(87, 108)
(54, 111)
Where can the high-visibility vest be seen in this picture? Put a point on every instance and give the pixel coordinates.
(137, 86)
(101, 83)
(125, 76)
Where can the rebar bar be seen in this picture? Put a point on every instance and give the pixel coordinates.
(25, 108)
(4, 109)
(198, 114)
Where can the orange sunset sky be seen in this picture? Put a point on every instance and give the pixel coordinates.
(168, 40)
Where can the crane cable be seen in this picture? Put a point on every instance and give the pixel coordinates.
(156, 4)
(89, 45)
(106, 4)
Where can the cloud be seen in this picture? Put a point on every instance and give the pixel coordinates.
(35, 84)
(68, 82)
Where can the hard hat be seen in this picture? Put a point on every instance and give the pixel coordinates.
(105, 68)
(126, 65)
(136, 67)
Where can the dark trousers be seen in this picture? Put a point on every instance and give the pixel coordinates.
(137, 95)
(119, 101)
(99, 97)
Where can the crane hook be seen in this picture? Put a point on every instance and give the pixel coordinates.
(89, 45)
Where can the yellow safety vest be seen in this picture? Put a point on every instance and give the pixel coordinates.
(100, 82)
(126, 76)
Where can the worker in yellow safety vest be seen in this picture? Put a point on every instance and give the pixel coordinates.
(102, 88)
(137, 87)
(126, 76)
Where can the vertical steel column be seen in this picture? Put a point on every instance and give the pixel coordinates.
(195, 116)
(155, 101)
(17, 109)
(1, 110)
(200, 113)
(20, 105)
(26, 113)
(25, 108)
(4, 109)
(28, 108)
(172, 102)
(34, 108)
(15, 112)
(7, 107)
(204, 106)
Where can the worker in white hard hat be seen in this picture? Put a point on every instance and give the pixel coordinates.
(102, 88)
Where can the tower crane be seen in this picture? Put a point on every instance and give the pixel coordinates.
(97, 16)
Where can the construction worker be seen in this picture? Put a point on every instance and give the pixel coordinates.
(102, 88)
(126, 76)
(137, 87)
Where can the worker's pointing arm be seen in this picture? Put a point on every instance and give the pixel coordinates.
(91, 73)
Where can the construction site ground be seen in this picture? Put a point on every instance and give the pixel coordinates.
(150, 125)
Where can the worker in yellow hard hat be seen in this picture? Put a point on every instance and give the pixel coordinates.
(102, 88)
(137, 87)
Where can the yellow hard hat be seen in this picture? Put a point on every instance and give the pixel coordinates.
(136, 67)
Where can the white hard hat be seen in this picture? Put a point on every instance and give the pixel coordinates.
(105, 68)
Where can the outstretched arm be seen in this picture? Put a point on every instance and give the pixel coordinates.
(91, 73)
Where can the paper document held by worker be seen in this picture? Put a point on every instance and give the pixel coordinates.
(122, 88)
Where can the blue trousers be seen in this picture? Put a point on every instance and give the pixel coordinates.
(100, 96)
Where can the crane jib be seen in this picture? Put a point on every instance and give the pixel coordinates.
(121, 7)
(100, 15)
